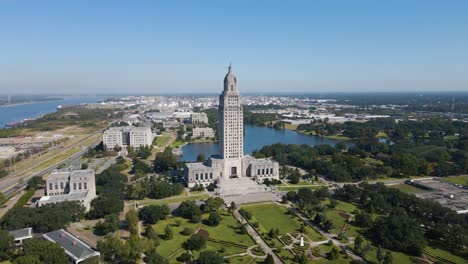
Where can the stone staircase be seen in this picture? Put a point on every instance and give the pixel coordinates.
(243, 190)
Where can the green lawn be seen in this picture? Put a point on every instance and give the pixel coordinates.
(381, 135)
(297, 187)
(271, 215)
(407, 188)
(226, 231)
(462, 179)
(338, 137)
(162, 140)
(177, 143)
(451, 137)
(398, 257)
(433, 251)
(172, 199)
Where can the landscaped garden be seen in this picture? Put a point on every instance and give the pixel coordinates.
(225, 238)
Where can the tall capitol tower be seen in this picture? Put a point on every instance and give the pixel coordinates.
(230, 127)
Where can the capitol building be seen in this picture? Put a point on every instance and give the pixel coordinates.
(233, 172)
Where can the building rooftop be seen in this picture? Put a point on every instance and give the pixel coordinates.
(59, 175)
(21, 233)
(197, 165)
(65, 197)
(75, 248)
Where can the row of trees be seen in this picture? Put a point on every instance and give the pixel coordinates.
(411, 221)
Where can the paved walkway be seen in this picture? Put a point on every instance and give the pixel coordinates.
(263, 245)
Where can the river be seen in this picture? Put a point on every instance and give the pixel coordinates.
(16, 113)
(255, 138)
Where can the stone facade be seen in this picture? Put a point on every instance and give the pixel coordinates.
(203, 132)
(78, 185)
(125, 137)
(231, 163)
(198, 118)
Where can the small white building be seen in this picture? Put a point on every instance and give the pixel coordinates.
(203, 132)
(21, 234)
(198, 118)
(78, 185)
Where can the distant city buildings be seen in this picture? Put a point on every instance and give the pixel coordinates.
(202, 132)
(78, 185)
(125, 137)
(198, 118)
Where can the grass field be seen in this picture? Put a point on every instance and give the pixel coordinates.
(338, 137)
(433, 251)
(172, 199)
(462, 179)
(297, 187)
(271, 215)
(226, 231)
(407, 188)
(162, 140)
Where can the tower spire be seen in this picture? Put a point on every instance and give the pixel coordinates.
(230, 67)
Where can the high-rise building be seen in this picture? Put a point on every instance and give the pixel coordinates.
(230, 126)
(231, 161)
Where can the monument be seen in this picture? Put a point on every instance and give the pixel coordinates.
(233, 172)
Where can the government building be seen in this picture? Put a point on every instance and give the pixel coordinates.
(77, 185)
(127, 136)
(231, 167)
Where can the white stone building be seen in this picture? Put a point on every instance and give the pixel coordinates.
(203, 132)
(78, 185)
(198, 118)
(231, 163)
(125, 137)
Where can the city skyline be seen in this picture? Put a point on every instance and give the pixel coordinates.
(148, 47)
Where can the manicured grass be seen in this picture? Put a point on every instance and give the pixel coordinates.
(462, 179)
(271, 215)
(398, 257)
(162, 140)
(227, 230)
(242, 260)
(338, 220)
(373, 161)
(381, 135)
(443, 254)
(177, 144)
(407, 188)
(172, 200)
(338, 137)
(451, 137)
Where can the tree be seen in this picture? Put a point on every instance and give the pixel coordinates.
(152, 257)
(153, 213)
(46, 251)
(195, 242)
(210, 257)
(363, 220)
(189, 210)
(388, 259)
(111, 224)
(269, 259)
(200, 157)
(104, 205)
(380, 254)
(7, 245)
(27, 259)
(150, 233)
(358, 244)
(168, 234)
(84, 166)
(212, 204)
(334, 253)
(132, 221)
(398, 232)
(186, 231)
(214, 219)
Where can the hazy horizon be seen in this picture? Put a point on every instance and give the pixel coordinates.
(184, 47)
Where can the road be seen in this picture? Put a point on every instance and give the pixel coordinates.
(18, 180)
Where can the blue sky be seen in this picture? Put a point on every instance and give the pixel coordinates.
(91, 46)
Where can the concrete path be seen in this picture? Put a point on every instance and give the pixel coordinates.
(263, 245)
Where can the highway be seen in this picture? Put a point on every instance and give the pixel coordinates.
(18, 180)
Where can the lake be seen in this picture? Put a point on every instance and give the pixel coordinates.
(16, 113)
(255, 138)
